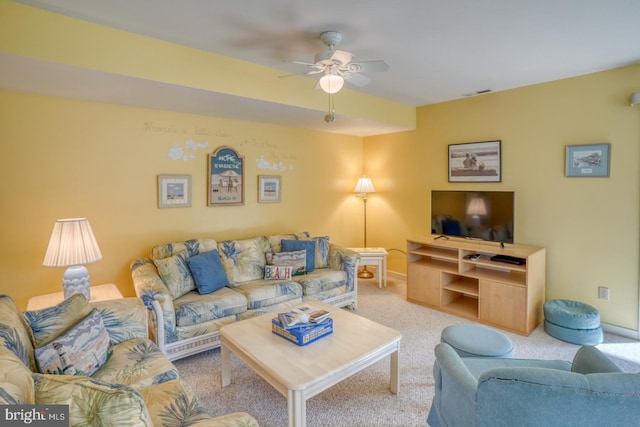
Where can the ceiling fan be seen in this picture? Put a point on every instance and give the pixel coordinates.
(336, 65)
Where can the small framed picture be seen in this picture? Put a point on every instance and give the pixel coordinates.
(269, 188)
(174, 191)
(475, 162)
(590, 160)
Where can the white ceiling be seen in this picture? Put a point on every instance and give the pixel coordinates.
(437, 50)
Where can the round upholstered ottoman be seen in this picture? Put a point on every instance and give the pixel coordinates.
(477, 341)
(572, 321)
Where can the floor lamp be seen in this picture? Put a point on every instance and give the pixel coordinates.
(363, 187)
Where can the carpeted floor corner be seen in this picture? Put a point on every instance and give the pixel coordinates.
(364, 399)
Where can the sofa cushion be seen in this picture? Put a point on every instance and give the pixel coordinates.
(322, 280)
(175, 274)
(189, 247)
(172, 404)
(51, 322)
(14, 333)
(85, 346)
(92, 402)
(262, 293)
(298, 245)
(16, 384)
(208, 272)
(124, 318)
(297, 260)
(244, 259)
(275, 241)
(137, 363)
(194, 308)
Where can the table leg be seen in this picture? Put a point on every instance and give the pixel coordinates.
(395, 377)
(297, 408)
(379, 274)
(384, 270)
(226, 365)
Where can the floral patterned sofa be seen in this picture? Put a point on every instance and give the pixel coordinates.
(132, 383)
(190, 318)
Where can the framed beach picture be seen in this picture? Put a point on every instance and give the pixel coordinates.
(475, 162)
(590, 160)
(174, 191)
(269, 188)
(225, 178)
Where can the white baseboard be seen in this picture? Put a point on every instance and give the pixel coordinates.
(623, 332)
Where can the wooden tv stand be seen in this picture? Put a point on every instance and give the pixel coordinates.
(506, 296)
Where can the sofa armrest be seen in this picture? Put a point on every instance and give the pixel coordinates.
(156, 297)
(590, 360)
(456, 388)
(341, 258)
(124, 318)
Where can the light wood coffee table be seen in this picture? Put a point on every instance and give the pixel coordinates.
(299, 373)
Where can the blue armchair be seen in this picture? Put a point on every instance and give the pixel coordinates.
(591, 391)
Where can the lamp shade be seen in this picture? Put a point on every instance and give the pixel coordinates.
(635, 98)
(331, 83)
(364, 186)
(477, 207)
(72, 243)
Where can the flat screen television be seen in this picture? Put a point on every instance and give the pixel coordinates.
(483, 215)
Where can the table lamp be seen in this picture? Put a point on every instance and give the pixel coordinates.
(72, 245)
(363, 187)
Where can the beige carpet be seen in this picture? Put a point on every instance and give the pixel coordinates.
(364, 399)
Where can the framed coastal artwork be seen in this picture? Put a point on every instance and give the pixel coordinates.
(174, 191)
(591, 160)
(225, 173)
(475, 162)
(269, 188)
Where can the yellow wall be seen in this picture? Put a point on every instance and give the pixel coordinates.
(590, 226)
(62, 158)
(35, 33)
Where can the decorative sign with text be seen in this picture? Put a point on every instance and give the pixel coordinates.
(226, 178)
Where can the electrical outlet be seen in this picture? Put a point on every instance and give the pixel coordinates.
(603, 293)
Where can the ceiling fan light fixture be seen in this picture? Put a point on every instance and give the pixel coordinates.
(331, 83)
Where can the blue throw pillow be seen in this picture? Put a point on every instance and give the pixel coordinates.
(298, 245)
(208, 272)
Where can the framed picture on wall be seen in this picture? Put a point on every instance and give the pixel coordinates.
(174, 191)
(225, 185)
(475, 162)
(269, 188)
(590, 160)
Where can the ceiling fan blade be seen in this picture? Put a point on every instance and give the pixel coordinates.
(368, 66)
(342, 57)
(356, 79)
(308, 64)
(308, 73)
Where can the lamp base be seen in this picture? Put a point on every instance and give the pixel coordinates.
(76, 281)
(365, 274)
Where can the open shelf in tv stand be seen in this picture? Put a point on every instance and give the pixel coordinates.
(507, 296)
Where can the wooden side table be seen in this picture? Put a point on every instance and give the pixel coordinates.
(377, 257)
(98, 293)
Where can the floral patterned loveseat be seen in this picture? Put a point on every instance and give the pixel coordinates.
(189, 319)
(133, 383)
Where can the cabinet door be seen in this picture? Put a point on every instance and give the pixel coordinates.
(502, 304)
(423, 284)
